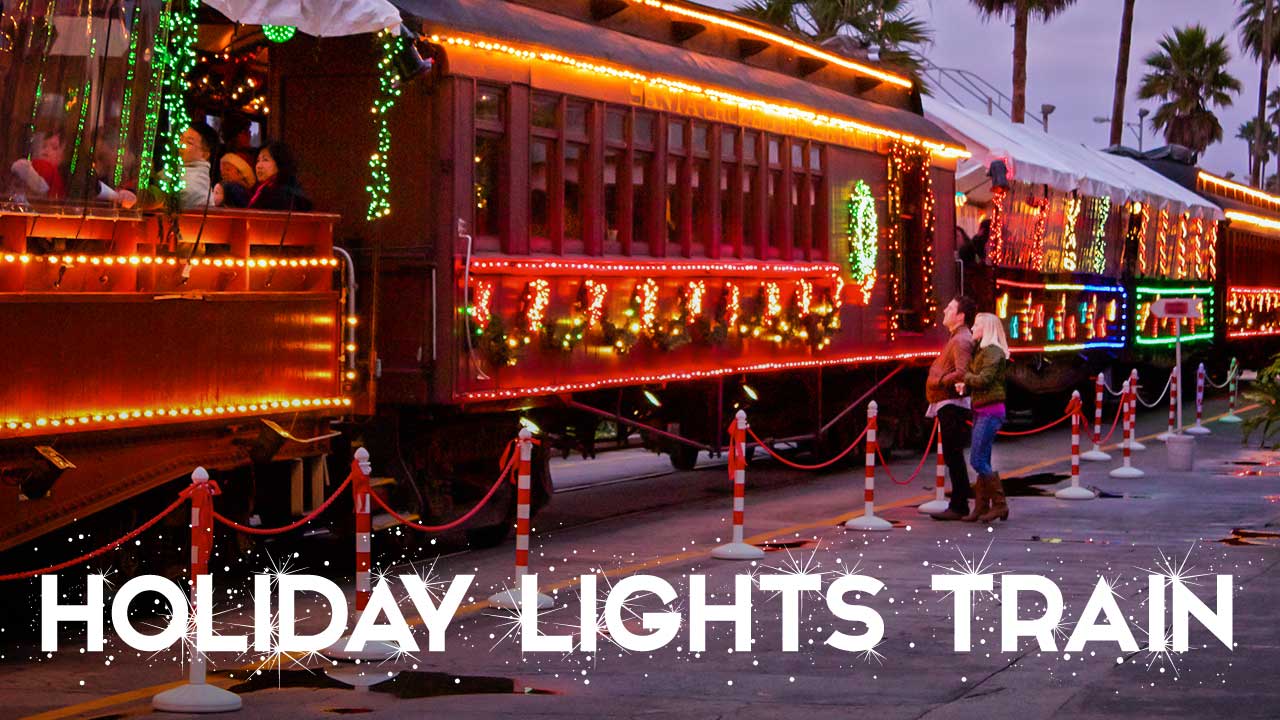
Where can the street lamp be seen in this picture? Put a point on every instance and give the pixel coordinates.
(1135, 127)
(1045, 111)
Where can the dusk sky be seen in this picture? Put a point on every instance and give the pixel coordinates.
(1071, 63)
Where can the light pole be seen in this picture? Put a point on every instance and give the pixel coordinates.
(1134, 127)
(1045, 111)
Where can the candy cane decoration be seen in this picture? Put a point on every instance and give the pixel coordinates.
(1199, 428)
(869, 521)
(1133, 410)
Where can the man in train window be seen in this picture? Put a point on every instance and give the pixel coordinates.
(948, 406)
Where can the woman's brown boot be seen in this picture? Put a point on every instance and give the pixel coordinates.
(999, 504)
(981, 499)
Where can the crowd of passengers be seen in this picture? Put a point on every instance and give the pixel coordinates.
(213, 177)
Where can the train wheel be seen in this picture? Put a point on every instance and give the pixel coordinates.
(683, 457)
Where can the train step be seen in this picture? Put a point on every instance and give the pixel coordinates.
(382, 521)
(377, 482)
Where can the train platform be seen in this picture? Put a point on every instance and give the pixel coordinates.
(1221, 518)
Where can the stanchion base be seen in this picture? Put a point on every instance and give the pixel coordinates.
(1095, 455)
(1075, 492)
(202, 698)
(869, 523)
(510, 600)
(1127, 472)
(1197, 430)
(933, 506)
(1231, 418)
(1135, 445)
(360, 677)
(1164, 436)
(737, 551)
(376, 651)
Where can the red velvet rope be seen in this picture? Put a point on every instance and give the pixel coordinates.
(928, 448)
(799, 466)
(291, 526)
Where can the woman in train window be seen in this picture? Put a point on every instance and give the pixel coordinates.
(984, 382)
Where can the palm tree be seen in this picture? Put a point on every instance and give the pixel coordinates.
(851, 26)
(1021, 10)
(1273, 102)
(1189, 75)
(1122, 74)
(1259, 153)
(1260, 38)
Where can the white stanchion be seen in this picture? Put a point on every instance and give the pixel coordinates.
(1133, 410)
(1095, 454)
(738, 549)
(1074, 491)
(939, 502)
(1127, 470)
(510, 599)
(1173, 407)
(1233, 378)
(1199, 428)
(869, 521)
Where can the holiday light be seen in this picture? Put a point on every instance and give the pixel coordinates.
(178, 57)
(379, 187)
(631, 268)
(732, 304)
(777, 39)
(804, 297)
(863, 238)
(1098, 248)
(482, 309)
(1216, 183)
(1141, 233)
(1252, 311)
(279, 33)
(1041, 206)
(1162, 242)
(1180, 258)
(772, 301)
(85, 92)
(132, 416)
(998, 196)
(679, 376)
(677, 86)
(1073, 204)
(109, 260)
(126, 105)
(536, 299)
(1251, 219)
(696, 291)
(1202, 329)
(596, 294)
(1031, 316)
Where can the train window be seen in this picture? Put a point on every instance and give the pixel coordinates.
(699, 137)
(821, 242)
(776, 227)
(542, 153)
(675, 136)
(575, 118)
(615, 126)
(614, 202)
(675, 197)
(775, 151)
(644, 185)
(801, 200)
(750, 210)
(700, 197)
(797, 155)
(815, 158)
(490, 102)
(488, 196)
(575, 172)
(750, 141)
(642, 129)
(546, 111)
(729, 144)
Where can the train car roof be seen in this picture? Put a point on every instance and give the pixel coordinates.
(1036, 157)
(1178, 164)
(535, 28)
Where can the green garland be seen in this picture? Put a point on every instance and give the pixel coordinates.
(379, 187)
(863, 233)
(178, 58)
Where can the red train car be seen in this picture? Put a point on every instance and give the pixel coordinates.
(639, 213)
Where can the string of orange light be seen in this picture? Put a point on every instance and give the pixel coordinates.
(773, 37)
(176, 413)
(1251, 219)
(25, 259)
(675, 85)
(1220, 182)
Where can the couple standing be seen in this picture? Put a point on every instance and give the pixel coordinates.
(968, 378)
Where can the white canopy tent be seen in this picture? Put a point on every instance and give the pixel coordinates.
(1036, 157)
(321, 18)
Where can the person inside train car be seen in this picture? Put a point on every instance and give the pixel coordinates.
(199, 143)
(278, 187)
(984, 383)
(979, 278)
(949, 406)
(41, 174)
(234, 191)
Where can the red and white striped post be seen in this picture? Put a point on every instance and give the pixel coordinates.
(1199, 428)
(868, 520)
(1133, 411)
(510, 598)
(1173, 406)
(1233, 378)
(939, 502)
(1074, 491)
(361, 500)
(1095, 453)
(1127, 470)
(737, 548)
(197, 696)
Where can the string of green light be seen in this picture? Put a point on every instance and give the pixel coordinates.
(85, 92)
(180, 58)
(126, 107)
(379, 187)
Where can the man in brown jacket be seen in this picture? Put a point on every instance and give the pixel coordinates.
(948, 406)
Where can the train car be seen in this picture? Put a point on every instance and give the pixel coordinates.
(628, 215)
(1243, 299)
(1080, 243)
(144, 344)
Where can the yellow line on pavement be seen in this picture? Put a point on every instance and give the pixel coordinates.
(662, 561)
